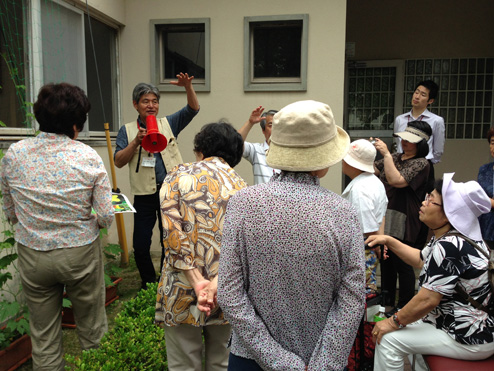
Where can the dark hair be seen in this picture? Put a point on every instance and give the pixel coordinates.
(431, 85)
(438, 186)
(222, 140)
(142, 89)
(422, 146)
(61, 106)
(490, 133)
(271, 112)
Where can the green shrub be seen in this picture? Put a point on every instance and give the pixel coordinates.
(135, 343)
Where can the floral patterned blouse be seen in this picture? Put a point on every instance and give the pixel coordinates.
(50, 184)
(193, 204)
(448, 262)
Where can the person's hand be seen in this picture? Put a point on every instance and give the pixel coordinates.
(376, 239)
(256, 115)
(140, 135)
(382, 328)
(206, 292)
(381, 147)
(183, 79)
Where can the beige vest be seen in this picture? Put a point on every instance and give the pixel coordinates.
(144, 181)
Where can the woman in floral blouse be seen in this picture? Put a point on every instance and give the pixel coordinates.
(51, 184)
(193, 204)
(438, 320)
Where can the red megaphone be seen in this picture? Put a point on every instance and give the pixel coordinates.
(154, 141)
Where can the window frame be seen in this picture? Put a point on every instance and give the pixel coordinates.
(156, 52)
(399, 65)
(274, 84)
(35, 74)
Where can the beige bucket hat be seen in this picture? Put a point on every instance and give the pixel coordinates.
(305, 137)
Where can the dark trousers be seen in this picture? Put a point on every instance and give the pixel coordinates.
(393, 268)
(236, 363)
(147, 212)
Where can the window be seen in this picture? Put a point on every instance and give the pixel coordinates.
(181, 45)
(465, 98)
(67, 55)
(275, 53)
(13, 108)
(371, 103)
(55, 40)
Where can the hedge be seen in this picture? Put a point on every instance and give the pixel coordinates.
(134, 343)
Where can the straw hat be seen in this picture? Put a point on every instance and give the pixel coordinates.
(463, 203)
(361, 155)
(412, 135)
(305, 137)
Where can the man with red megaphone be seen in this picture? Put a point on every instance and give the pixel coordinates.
(149, 145)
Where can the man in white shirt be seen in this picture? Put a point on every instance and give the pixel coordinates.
(425, 94)
(367, 193)
(255, 153)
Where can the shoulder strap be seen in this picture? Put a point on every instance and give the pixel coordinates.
(459, 289)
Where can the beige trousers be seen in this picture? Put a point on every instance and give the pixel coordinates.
(184, 347)
(44, 275)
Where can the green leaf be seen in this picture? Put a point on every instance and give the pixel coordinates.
(9, 310)
(4, 277)
(7, 260)
(103, 232)
(113, 249)
(66, 303)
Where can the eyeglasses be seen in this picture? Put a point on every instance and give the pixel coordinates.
(429, 201)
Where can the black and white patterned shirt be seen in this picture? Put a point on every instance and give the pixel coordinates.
(291, 278)
(450, 261)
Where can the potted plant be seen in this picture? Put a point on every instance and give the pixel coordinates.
(15, 343)
(111, 268)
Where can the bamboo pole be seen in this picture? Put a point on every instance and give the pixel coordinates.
(122, 239)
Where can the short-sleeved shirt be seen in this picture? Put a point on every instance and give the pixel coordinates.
(193, 204)
(486, 181)
(367, 193)
(255, 153)
(177, 121)
(402, 216)
(452, 261)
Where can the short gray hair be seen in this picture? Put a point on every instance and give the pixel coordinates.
(142, 89)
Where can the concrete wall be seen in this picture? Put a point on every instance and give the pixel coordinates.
(389, 29)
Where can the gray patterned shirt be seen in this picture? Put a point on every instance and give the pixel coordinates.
(291, 277)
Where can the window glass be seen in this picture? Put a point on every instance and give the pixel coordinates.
(465, 93)
(103, 108)
(183, 51)
(277, 49)
(13, 106)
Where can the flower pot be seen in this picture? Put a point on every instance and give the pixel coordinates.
(68, 320)
(16, 353)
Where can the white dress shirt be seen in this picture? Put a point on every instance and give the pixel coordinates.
(436, 141)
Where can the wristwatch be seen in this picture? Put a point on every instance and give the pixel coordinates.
(398, 323)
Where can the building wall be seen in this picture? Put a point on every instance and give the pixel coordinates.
(227, 99)
(389, 29)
